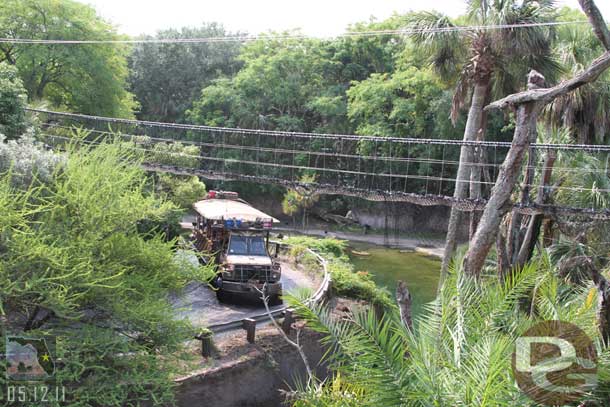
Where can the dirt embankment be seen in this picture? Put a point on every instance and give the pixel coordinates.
(260, 374)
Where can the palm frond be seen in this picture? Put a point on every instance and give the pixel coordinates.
(445, 49)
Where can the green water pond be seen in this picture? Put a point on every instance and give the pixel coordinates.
(419, 271)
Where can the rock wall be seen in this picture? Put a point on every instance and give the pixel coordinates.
(408, 218)
(253, 380)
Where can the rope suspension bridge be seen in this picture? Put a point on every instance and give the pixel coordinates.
(383, 169)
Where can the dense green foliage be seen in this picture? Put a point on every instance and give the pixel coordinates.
(586, 111)
(73, 264)
(12, 102)
(346, 281)
(296, 85)
(459, 352)
(85, 78)
(182, 191)
(167, 78)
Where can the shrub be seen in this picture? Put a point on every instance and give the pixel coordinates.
(13, 101)
(74, 265)
(346, 282)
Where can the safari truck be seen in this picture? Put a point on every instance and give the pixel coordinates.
(235, 237)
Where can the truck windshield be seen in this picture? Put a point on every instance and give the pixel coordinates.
(247, 245)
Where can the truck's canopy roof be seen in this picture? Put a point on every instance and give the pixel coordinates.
(218, 209)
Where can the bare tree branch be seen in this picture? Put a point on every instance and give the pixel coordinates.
(589, 75)
(597, 21)
(299, 348)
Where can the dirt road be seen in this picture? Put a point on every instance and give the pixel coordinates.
(198, 303)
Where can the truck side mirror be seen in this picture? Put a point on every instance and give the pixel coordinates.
(277, 250)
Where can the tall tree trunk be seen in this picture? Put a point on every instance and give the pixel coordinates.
(535, 222)
(499, 203)
(515, 228)
(502, 261)
(476, 171)
(527, 104)
(475, 183)
(473, 124)
(547, 232)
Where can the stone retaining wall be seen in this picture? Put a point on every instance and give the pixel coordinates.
(254, 379)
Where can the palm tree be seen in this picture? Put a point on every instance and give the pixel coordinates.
(459, 352)
(586, 110)
(484, 64)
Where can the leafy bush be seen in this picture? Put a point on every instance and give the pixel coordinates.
(183, 191)
(74, 265)
(27, 160)
(346, 282)
(13, 101)
(460, 349)
(174, 153)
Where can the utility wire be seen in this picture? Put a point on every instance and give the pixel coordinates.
(248, 38)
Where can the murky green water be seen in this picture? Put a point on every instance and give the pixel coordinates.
(419, 271)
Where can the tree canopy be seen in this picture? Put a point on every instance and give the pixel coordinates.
(167, 78)
(85, 78)
(12, 102)
(296, 85)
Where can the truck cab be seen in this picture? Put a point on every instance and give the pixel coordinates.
(234, 236)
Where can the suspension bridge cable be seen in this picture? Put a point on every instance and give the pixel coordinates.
(464, 204)
(276, 133)
(248, 38)
(322, 169)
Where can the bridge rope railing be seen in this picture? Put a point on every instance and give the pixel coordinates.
(386, 169)
(328, 154)
(320, 169)
(405, 140)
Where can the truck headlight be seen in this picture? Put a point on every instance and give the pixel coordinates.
(276, 275)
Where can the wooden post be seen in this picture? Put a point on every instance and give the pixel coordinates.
(288, 320)
(250, 326)
(403, 297)
(207, 344)
(329, 290)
